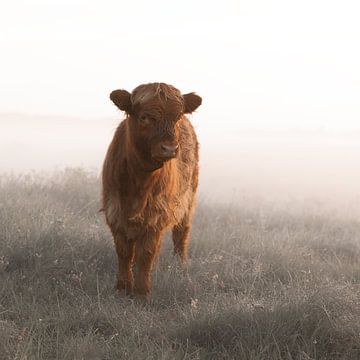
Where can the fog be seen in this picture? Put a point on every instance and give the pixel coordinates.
(279, 165)
(280, 83)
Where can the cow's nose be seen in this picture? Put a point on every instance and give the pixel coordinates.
(169, 149)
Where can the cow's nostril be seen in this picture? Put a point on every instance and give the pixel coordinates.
(169, 148)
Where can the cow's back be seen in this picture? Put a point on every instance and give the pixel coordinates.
(112, 176)
(188, 157)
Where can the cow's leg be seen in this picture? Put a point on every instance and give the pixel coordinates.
(180, 236)
(146, 251)
(125, 250)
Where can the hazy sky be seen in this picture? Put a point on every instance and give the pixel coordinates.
(257, 63)
(280, 82)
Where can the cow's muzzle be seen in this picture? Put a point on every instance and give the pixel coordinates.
(165, 152)
(169, 151)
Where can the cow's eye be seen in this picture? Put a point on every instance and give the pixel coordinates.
(144, 119)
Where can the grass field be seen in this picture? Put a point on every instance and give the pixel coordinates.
(263, 282)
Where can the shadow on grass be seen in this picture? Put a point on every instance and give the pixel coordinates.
(321, 326)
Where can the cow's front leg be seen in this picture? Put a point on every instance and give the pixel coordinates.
(147, 248)
(180, 235)
(125, 249)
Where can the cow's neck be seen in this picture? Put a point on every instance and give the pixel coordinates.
(143, 177)
(144, 185)
(138, 167)
(139, 174)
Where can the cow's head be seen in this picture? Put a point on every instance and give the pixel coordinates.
(154, 111)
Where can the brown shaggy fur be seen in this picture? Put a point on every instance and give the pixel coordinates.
(150, 178)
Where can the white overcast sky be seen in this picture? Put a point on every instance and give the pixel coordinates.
(256, 63)
(280, 81)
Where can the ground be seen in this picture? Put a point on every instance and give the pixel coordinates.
(263, 281)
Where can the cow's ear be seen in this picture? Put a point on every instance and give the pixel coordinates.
(122, 99)
(191, 102)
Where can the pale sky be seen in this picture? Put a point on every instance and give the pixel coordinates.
(270, 72)
(257, 63)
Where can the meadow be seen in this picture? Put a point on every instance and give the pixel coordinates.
(263, 281)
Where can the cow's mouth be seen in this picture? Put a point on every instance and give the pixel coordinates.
(162, 159)
(152, 167)
(153, 164)
(157, 162)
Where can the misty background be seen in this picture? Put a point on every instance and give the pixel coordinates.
(280, 82)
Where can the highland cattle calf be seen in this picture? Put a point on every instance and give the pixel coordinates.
(150, 178)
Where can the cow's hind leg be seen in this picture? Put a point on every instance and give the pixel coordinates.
(146, 251)
(125, 250)
(180, 236)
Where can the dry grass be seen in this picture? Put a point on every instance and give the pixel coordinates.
(262, 283)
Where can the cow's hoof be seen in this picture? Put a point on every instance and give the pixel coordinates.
(141, 296)
(123, 289)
